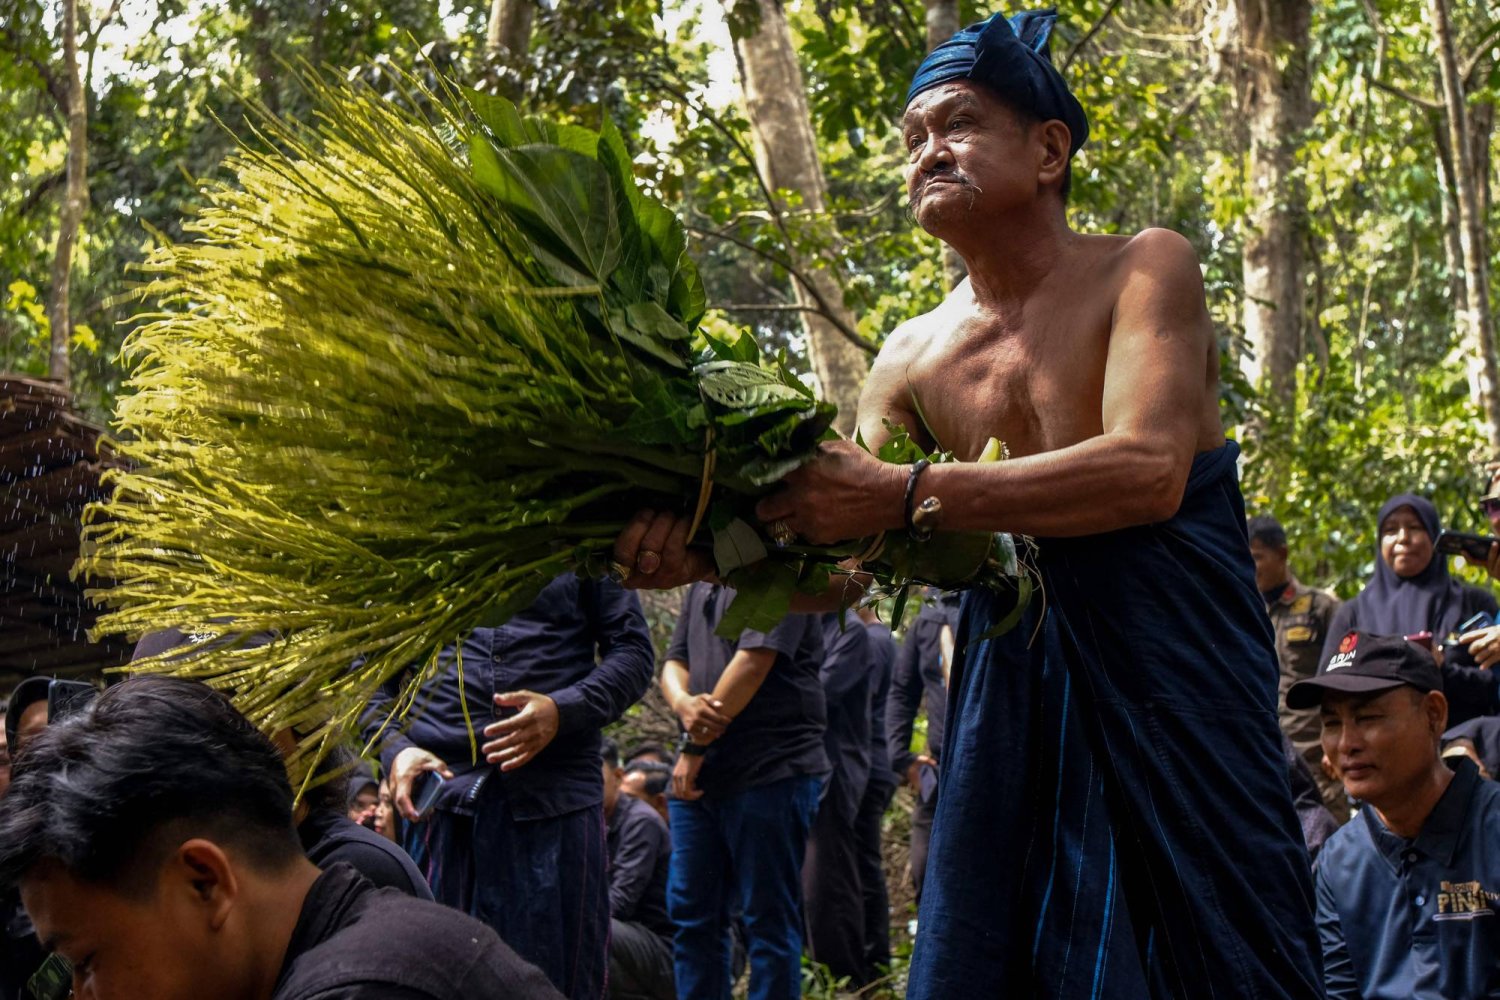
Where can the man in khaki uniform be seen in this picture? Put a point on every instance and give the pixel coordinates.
(1300, 615)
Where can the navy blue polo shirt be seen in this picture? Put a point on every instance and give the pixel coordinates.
(1415, 919)
(779, 734)
(582, 642)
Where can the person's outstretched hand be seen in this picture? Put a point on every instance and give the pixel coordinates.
(513, 742)
(410, 763)
(702, 717)
(1483, 644)
(685, 777)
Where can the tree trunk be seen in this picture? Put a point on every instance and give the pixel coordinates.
(509, 28)
(1453, 243)
(75, 202)
(1473, 312)
(943, 24)
(786, 154)
(1277, 104)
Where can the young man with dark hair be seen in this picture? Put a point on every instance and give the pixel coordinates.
(1299, 616)
(1407, 891)
(152, 841)
(649, 781)
(640, 855)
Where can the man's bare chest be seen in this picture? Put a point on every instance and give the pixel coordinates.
(1037, 391)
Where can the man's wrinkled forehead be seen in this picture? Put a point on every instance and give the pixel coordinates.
(954, 96)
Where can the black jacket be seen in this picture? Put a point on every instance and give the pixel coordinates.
(356, 942)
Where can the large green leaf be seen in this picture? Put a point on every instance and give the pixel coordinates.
(564, 198)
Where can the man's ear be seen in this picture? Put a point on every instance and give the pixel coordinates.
(1435, 704)
(1056, 145)
(202, 869)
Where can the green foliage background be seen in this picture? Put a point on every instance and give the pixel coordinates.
(1382, 403)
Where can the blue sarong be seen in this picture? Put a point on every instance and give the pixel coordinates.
(1116, 819)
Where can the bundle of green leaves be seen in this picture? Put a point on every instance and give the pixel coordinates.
(414, 365)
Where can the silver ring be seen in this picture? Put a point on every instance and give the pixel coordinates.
(781, 533)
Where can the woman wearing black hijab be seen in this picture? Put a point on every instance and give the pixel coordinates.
(1411, 592)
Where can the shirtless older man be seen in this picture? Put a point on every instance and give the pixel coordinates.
(1115, 818)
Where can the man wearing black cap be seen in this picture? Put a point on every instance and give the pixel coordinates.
(1115, 817)
(1408, 891)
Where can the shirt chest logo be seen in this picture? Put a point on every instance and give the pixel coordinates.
(1302, 605)
(1463, 901)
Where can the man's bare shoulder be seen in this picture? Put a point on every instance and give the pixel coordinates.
(911, 335)
(1153, 251)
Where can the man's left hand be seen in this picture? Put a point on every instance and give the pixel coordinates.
(685, 777)
(843, 492)
(1483, 644)
(514, 741)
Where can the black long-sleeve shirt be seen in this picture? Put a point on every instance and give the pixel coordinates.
(356, 942)
(640, 854)
(584, 643)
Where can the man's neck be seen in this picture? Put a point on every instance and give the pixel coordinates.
(1405, 813)
(276, 908)
(1006, 272)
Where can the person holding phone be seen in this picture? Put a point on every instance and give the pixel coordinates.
(514, 832)
(1412, 592)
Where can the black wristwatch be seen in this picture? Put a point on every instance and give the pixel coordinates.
(686, 745)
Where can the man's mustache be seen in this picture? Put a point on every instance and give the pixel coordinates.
(945, 177)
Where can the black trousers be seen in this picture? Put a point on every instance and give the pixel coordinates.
(640, 963)
(921, 833)
(834, 898)
(872, 876)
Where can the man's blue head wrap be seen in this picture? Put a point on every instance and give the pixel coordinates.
(1012, 58)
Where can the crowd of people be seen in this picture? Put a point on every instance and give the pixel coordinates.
(150, 836)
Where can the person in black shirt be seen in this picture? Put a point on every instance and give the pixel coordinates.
(329, 836)
(640, 854)
(745, 791)
(919, 680)
(516, 837)
(152, 841)
(877, 799)
(342, 949)
(830, 877)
